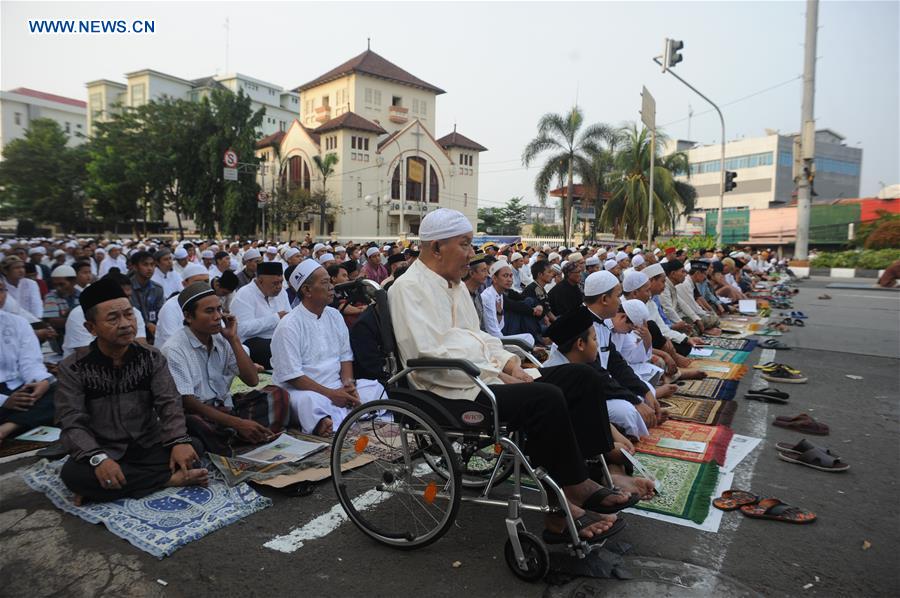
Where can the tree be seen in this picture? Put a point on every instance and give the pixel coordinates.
(43, 180)
(626, 211)
(563, 138)
(596, 171)
(513, 215)
(539, 229)
(325, 167)
(491, 220)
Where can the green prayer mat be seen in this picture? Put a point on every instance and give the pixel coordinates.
(685, 487)
(728, 355)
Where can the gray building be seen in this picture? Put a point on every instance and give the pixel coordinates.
(543, 215)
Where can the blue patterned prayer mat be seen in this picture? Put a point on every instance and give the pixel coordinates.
(159, 523)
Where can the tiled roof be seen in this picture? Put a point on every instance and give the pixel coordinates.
(578, 192)
(270, 140)
(50, 97)
(207, 82)
(350, 120)
(455, 139)
(389, 138)
(370, 63)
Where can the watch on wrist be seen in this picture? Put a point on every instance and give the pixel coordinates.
(98, 459)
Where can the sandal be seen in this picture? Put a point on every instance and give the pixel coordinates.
(806, 425)
(800, 448)
(784, 374)
(581, 523)
(817, 458)
(732, 500)
(771, 343)
(595, 500)
(767, 396)
(774, 509)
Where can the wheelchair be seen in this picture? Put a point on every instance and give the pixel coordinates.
(428, 454)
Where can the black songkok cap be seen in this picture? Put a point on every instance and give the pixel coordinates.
(698, 265)
(221, 254)
(397, 257)
(350, 266)
(672, 266)
(568, 327)
(229, 280)
(269, 268)
(105, 289)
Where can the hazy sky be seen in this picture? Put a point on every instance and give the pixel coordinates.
(505, 64)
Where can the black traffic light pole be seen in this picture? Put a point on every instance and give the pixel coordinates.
(721, 120)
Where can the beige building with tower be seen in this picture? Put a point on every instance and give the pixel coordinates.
(392, 169)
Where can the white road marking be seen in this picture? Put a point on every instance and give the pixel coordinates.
(332, 519)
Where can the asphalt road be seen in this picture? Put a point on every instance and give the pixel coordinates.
(850, 551)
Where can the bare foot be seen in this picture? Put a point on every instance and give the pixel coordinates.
(6, 430)
(325, 428)
(692, 374)
(713, 332)
(666, 390)
(77, 500)
(632, 485)
(681, 361)
(662, 416)
(557, 524)
(191, 477)
(580, 493)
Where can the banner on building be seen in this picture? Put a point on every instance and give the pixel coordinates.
(415, 171)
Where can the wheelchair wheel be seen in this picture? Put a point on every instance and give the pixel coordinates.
(397, 499)
(537, 557)
(477, 462)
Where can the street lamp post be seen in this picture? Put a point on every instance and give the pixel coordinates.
(377, 199)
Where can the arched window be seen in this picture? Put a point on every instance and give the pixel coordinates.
(433, 185)
(415, 179)
(294, 168)
(395, 183)
(306, 177)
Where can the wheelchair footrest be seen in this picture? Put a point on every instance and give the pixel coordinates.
(602, 563)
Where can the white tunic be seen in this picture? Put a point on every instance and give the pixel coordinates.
(77, 335)
(28, 295)
(169, 320)
(257, 314)
(108, 262)
(493, 324)
(633, 351)
(170, 281)
(21, 361)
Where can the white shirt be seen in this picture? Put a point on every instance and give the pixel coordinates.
(308, 345)
(78, 336)
(170, 281)
(214, 272)
(21, 361)
(168, 321)
(493, 324)
(12, 306)
(236, 263)
(257, 314)
(207, 375)
(686, 299)
(434, 319)
(525, 276)
(28, 295)
(108, 262)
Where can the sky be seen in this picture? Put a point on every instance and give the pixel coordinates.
(504, 64)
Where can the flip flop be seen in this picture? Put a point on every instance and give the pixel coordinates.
(771, 366)
(817, 458)
(770, 392)
(774, 509)
(801, 447)
(732, 500)
(799, 315)
(804, 425)
(784, 374)
(771, 343)
(582, 522)
(593, 503)
(799, 417)
(765, 397)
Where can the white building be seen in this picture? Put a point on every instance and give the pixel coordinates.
(20, 106)
(392, 169)
(106, 97)
(764, 170)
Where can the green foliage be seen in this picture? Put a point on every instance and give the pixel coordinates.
(43, 180)
(540, 229)
(692, 243)
(325, 166)
(869, 259)
(507, 220)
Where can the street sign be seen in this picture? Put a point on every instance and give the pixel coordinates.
(262, 197)
(261, 204)
(229, 174)
(648, 109)
(230, 159)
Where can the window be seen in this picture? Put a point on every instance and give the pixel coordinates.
(306, 177)
(96, 104)
(415, 179)
(396, 101)
(271, 91)
(309, 107)
(138, 94)
(433, 186)
(465, 199)
(282, 125)
(368, 95)
(358, 190)
(366, 143)
(423, 108)
(415, 106)
(325, 101)
(353, 142)
(395, 183)
(18, 118)
(78, 126)
(295, 168)
(68, 127)
(377, 95)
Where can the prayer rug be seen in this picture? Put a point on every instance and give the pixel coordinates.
(14, 447)
(159, 523)
(685, 488)
(721, 370)
(736, 344)
(727, 355)
(708, 388)
(715, 437)
(700, 411)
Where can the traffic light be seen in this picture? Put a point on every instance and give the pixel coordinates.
(730, 175)
(671, 55)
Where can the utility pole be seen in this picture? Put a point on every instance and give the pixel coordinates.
(648, 117)
(807, 132)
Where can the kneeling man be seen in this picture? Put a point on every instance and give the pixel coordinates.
(312, 359)
(119, 410)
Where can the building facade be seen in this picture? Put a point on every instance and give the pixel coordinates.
(20, 106)
(391, 170)
(764, 167)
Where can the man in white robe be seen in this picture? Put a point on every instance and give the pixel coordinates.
(165, 275)
(259, 306)
(312, 358)
(170, 318)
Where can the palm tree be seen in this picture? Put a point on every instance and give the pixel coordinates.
(596, 171)
(626, 211)
(326, 168)
(562, 137)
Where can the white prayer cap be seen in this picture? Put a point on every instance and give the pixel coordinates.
(592, 261)
(636, 311)
(637, 251)
(515, 256)
(599, 283)
(37, 251)
(114, 246)
(554, 256)
(638, 260)
(290, 252)
(546, 247)
(302, 272)
(610, 255)
(502, 258)
(207, 254)
(575, 257)
(271, 250)
(194, 270)
(657, 251)
(318, 246)
(326, 257)
(497, 266)
(340, 249)
(251, 254)
(610, 264)
(664, 260)
(99, 250)
(371, 251)
(443, 223)
(652, 270)
(621, 256)
(63, 272)
(633, 280)
(555, 268)
(58, 253)
(687, 266)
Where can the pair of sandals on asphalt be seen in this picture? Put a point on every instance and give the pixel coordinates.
(762, 508)
(780, 372)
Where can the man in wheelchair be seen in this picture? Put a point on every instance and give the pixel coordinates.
(563, 416)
